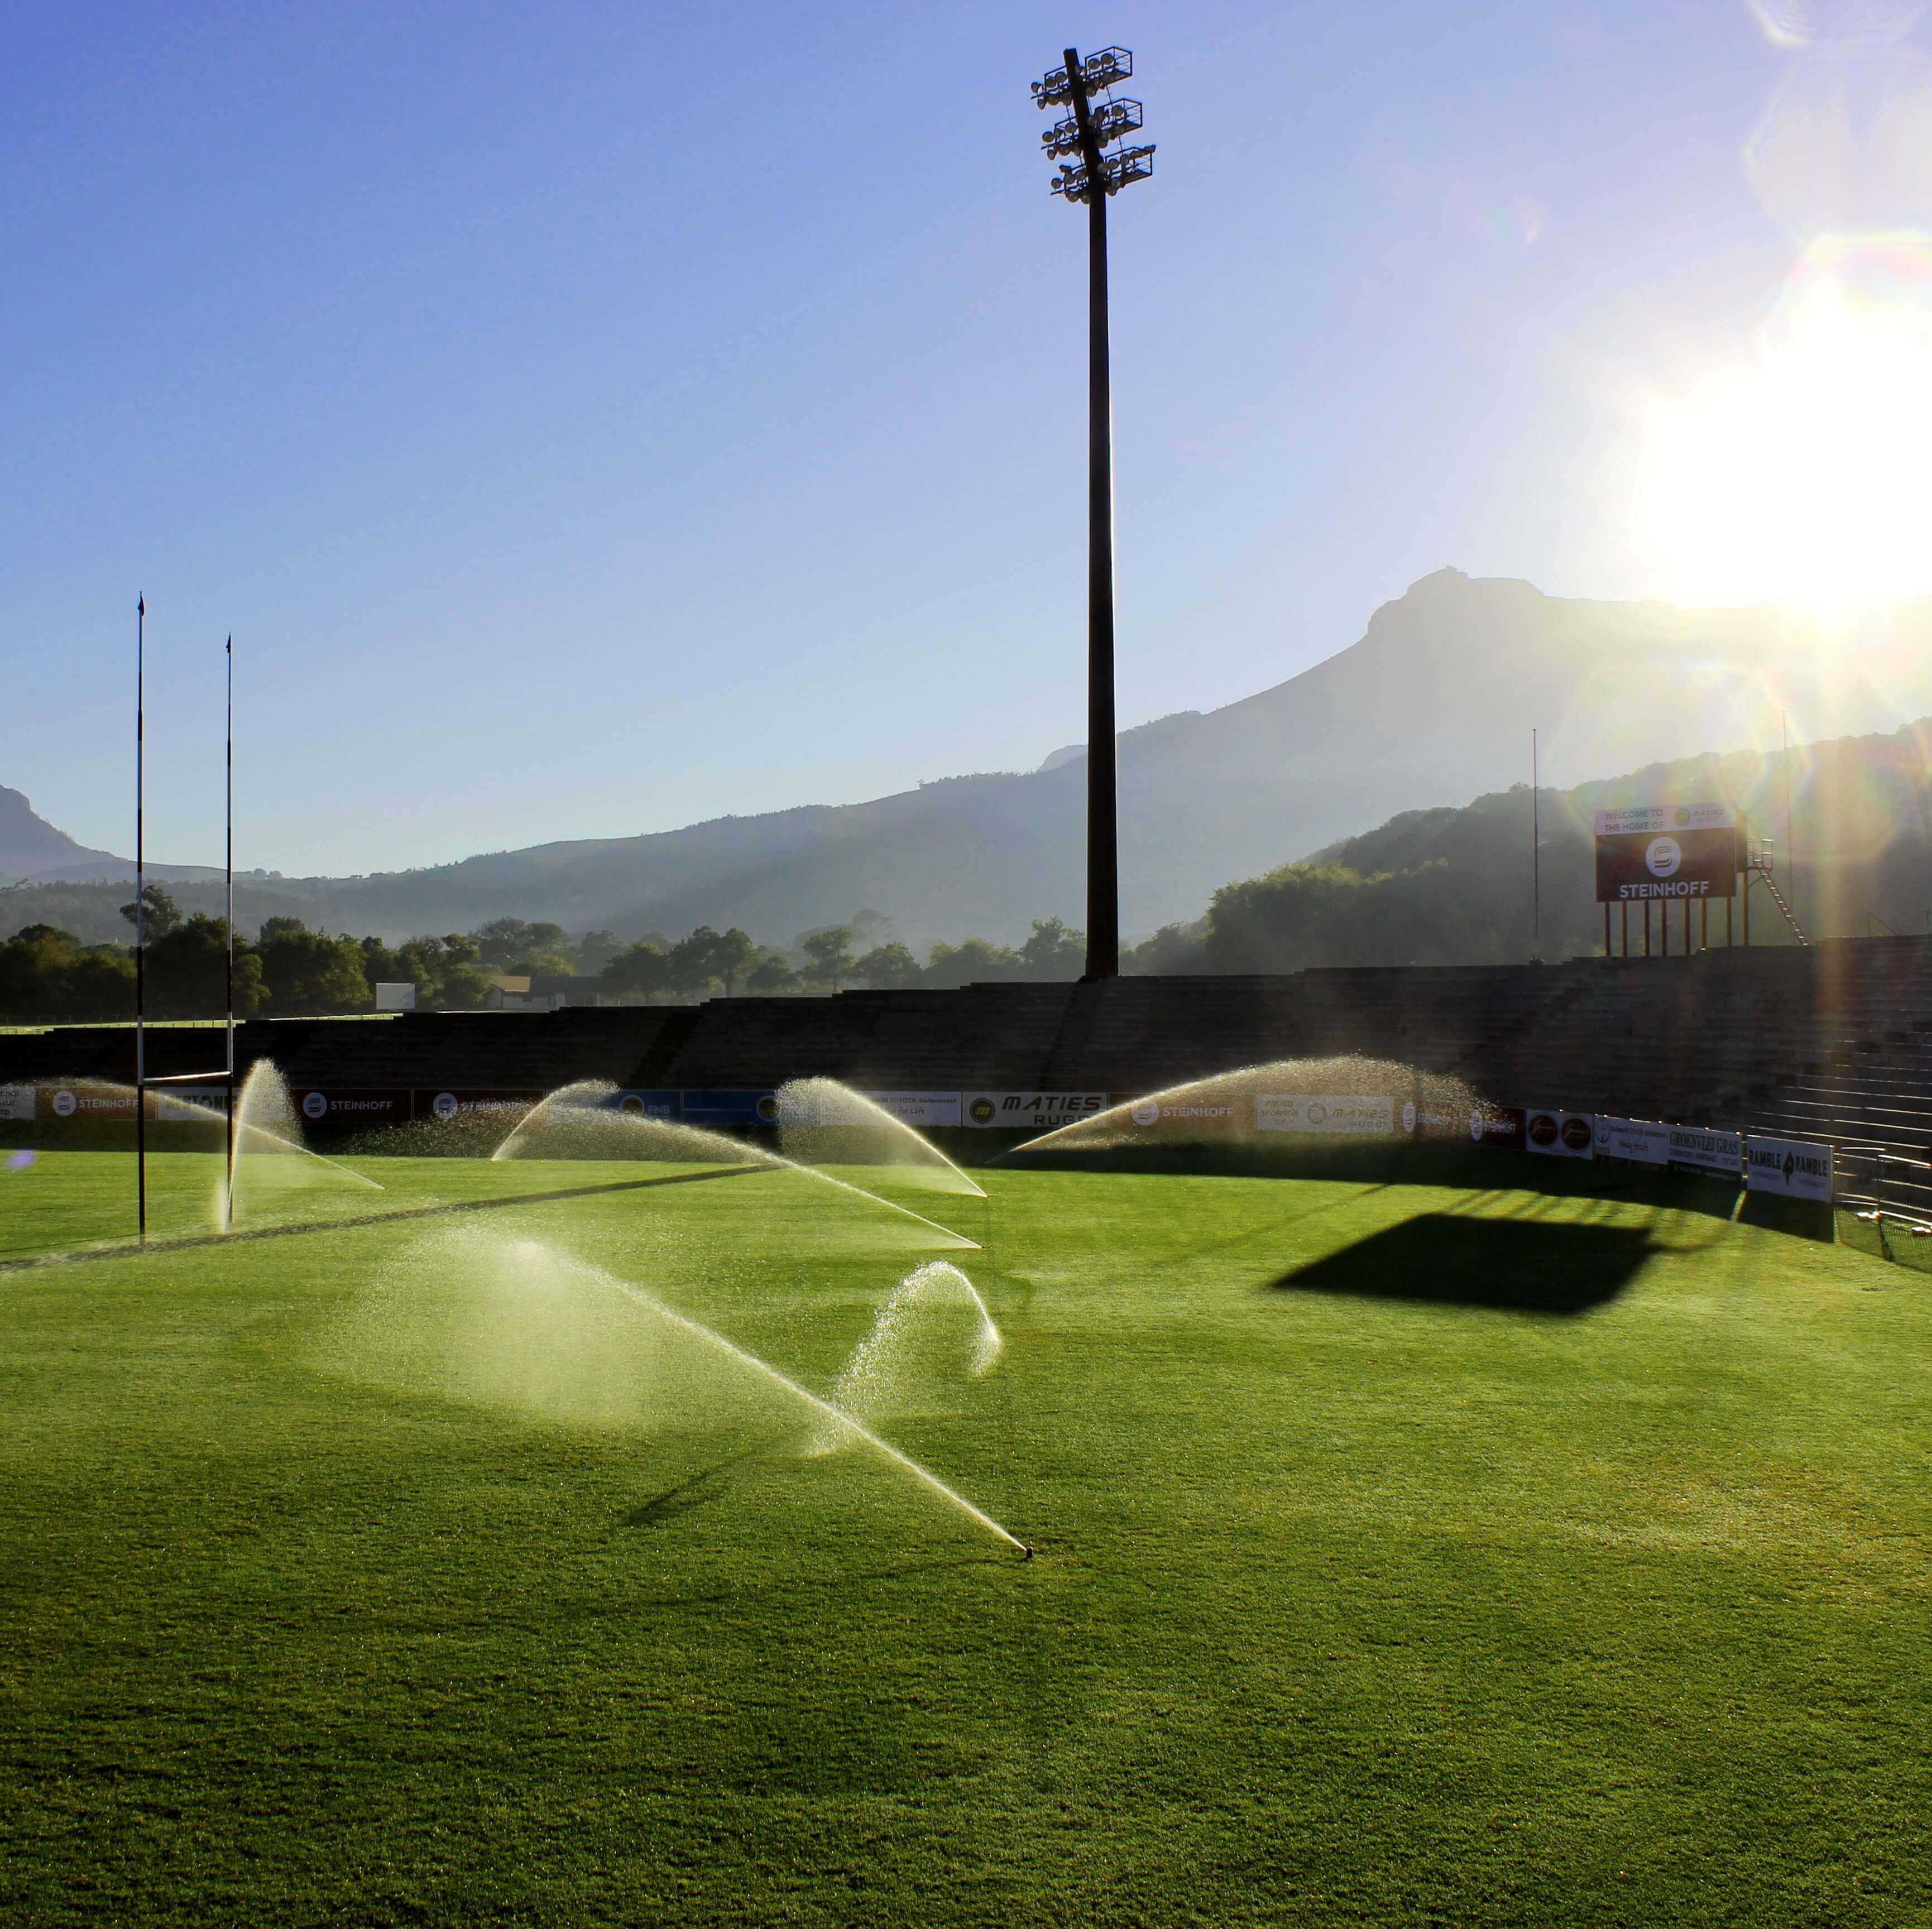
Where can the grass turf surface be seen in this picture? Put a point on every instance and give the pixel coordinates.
(1406, 1555)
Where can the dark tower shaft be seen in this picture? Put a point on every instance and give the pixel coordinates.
(1103, 838)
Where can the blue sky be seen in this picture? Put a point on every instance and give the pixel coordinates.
(591, 419)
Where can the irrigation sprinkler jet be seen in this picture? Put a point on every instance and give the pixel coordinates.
(1094, 177)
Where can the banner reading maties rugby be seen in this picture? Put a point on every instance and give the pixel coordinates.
(1667, 850)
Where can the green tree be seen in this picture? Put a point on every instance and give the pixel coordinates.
(187, 971)
(771, 974)
(973, 962)
(828, 956)
(887, 966)
(164, 913)
(693, 961)
(307, 973)
(732, 956)
(1053, 951)
(639, 970)
(596, 949)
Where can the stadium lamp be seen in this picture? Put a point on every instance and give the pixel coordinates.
(1094, 178)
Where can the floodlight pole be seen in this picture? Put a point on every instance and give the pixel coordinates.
(1103, 836)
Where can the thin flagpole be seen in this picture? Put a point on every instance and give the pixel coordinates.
(1535, 853)
(228, 1191)
(140, 918)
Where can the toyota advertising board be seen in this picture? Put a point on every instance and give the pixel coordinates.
(1793, 1168)
(445, 1106)
(17, 1101)
(1559, 1134)
(1667, 851)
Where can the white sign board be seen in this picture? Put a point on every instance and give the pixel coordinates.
(1647, 820)
(396, 997)
(919, 1108)
(1706, 1151)
(1792, 1167)
(839, 1107)
(1559, 1134)
(178, 1105)
(1322, 1111)
(17, 1101)
(1642, 1141)
(1030, 1112)
(1199, 1110)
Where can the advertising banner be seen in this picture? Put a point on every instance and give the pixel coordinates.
(182, 1104)
(1030, 1112)
(1792, 1167)
(1217, 1110)
(1667, 851)
(509, 1106)
(921, 1109)
(114, 1102)
(353, 1106)
(1706, 1151)
(17, 1101)
(1559, 1134)
(1642, 1141)
(1323, 1111)
(1497, 1127)
(732, 1110)
(660, 1104)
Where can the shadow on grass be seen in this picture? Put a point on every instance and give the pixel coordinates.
(1537, 1266)
(710, 1483)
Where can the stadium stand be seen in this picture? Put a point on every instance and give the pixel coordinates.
(1829, 1041)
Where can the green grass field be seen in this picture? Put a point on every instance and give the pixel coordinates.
(1405, 1555)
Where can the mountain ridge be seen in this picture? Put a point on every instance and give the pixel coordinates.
(1436, 699)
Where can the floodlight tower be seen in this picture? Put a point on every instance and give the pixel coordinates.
(1097, 175)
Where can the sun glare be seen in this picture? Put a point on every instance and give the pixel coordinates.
(1806, 471)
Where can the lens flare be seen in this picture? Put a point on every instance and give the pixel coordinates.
(1805, 470)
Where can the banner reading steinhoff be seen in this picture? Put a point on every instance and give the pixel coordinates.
(1794, 1167)
(1322, 1111)
(1030, 1112)
(1666, 850)
(1640, 1140)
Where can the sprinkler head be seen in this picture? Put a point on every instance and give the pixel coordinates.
(1026, 1553)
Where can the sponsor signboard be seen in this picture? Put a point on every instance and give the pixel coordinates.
(446, 1105)
(1667, 851)
(1559, 1134)
(352, 1106)
(732, 1110)
(113, 1102)
(919, 1108)
(1322, 1111)
(1642, 1141)
(396, 997)
(1497, 1127)
(181, 1104)
(1706, 1151)
(1794, 1168)
(1199, 1108)
(1435, 1124)
(660, 1104)
(17, 1101)
(1030, 1112)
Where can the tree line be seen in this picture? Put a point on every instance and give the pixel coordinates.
(288, 970)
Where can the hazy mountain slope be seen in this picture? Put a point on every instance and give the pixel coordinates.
(1436, 700)
(28, 844)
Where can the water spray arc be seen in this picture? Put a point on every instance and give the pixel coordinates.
(831, 1414)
